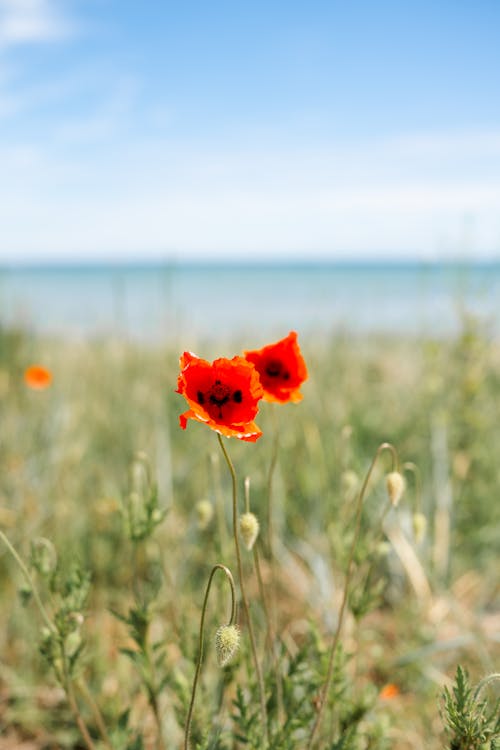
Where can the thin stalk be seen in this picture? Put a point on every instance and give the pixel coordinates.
(349, 572)
(68, 688)
(29, 581)
(272, 619)
(270, 477)
(269, 638)
(484, 682)
(413, 468)
(246, 606)
(229, 577)
(98, 718)
(153, 701)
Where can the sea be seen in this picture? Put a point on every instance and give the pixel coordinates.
(188, 302)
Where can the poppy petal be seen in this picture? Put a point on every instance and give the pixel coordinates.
(281, 368)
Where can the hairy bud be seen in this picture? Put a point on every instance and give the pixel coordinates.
(204, 513)
(419, 526)
(395, 483)
(227, 641)
(249, 529)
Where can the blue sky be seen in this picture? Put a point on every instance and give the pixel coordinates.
(283, 129)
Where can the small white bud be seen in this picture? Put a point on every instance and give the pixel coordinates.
(204, 513)
(396, 484)
(419, 526)
(249, 529)
(227, 641)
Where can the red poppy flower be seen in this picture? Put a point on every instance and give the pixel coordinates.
(224, 395)
(389, 691)
(281, 368)
(37, 377)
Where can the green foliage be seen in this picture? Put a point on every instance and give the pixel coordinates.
(74, 487)
(471, 723)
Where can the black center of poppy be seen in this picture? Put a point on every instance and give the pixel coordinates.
(275, 369)
(218, 395)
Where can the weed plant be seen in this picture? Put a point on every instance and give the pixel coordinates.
(114, 521)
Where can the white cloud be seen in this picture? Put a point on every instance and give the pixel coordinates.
(23, 21)
(362, 199)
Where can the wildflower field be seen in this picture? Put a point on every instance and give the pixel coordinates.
(312, 562)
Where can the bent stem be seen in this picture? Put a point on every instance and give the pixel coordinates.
(349, 571)
(246, 606)
(229, 577)
(484, 682)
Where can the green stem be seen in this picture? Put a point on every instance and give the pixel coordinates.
(30, 582)
(413, 468)
(98, 718)
(229, 577)
(349, 571)
(246, 605)
(70, 694)
(269, 637)
(484, 682)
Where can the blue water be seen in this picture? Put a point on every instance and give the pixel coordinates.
(188, 302)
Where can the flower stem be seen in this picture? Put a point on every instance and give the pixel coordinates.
(349, 571)
(229, 577)
(246, 606)
(484, 682)
(29, 581)
(98, 717)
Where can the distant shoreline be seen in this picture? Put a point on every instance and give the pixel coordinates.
(344, 264)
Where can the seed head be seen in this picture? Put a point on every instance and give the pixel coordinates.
(227, 641)
(204, 513)
(249, 529)
(419, 526)
(395, 483)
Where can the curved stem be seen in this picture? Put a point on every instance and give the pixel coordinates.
(229, 577)
(484, 682)
(349, 571)
(246, 606)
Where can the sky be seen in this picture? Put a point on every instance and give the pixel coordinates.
(330, 130)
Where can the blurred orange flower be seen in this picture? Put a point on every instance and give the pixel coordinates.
(223, 395)
(389, 691)
(281, 368)
(37, 377)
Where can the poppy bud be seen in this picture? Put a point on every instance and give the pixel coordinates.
(419, 526)
(249, 529)
(227, 641)
(395, 483)
(204, 513)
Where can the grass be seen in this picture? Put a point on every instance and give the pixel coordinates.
(70, 474)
